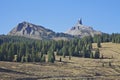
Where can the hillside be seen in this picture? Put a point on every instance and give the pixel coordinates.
(76, 68)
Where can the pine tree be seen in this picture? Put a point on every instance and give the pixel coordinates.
(38, 56)
(102, 56)
(70, 51)
(76, 51)
(60, 59)
(59, 52)
(97, 54)
(10, 54)
(51, 57)
(43, 59)
(84, 52)
(0, 55)
(23, 59)
(87, 54)
(91, 55)
(89, 46)
(64, 51)
(33, 56)
(27, 58)
(3, 55)
(98, 44)
(22, 49)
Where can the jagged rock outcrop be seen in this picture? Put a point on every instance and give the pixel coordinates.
(80, 30)
(30, 30)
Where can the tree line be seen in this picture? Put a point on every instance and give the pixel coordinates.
(21, 49)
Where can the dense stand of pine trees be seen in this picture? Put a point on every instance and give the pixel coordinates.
(22, 49)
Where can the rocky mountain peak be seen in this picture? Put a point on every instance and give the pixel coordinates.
(81, 30)
(79, 22)
(30, 30)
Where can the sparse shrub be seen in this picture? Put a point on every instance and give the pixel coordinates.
(103, 65)
(60, 59)
(109, 64)
(97, 54)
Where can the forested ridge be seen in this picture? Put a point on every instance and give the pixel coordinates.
(20, 49)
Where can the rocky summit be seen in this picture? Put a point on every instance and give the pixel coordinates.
(81, 30)
(30, 30)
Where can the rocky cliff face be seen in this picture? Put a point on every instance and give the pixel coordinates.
(30, 30)
(80, 30)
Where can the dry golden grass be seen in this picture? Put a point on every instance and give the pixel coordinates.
(110, 50)
(76, 68)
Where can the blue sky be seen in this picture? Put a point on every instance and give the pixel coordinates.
(60, 15)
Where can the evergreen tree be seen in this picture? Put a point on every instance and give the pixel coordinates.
(83, 52)
(22, 49)
(3, 52)
(87, 53)
(43, 59)
(98, 44)
(71, 51)
(89, 46)
(97, 54)
(59, 52)
(64, 51)
(23, 59)
(51, 57)
(33, 56)
(76, 51)
(28, 50)
(10, 54)
(27, 58)
(60, 59)
(0, 55)
(91, 55)
(38, 56)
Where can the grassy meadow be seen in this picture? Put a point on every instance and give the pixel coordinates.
(77, 68)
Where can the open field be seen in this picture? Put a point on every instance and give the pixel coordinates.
(76, 68)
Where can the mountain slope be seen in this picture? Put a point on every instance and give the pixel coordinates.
(80, 30)
(30, 30)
